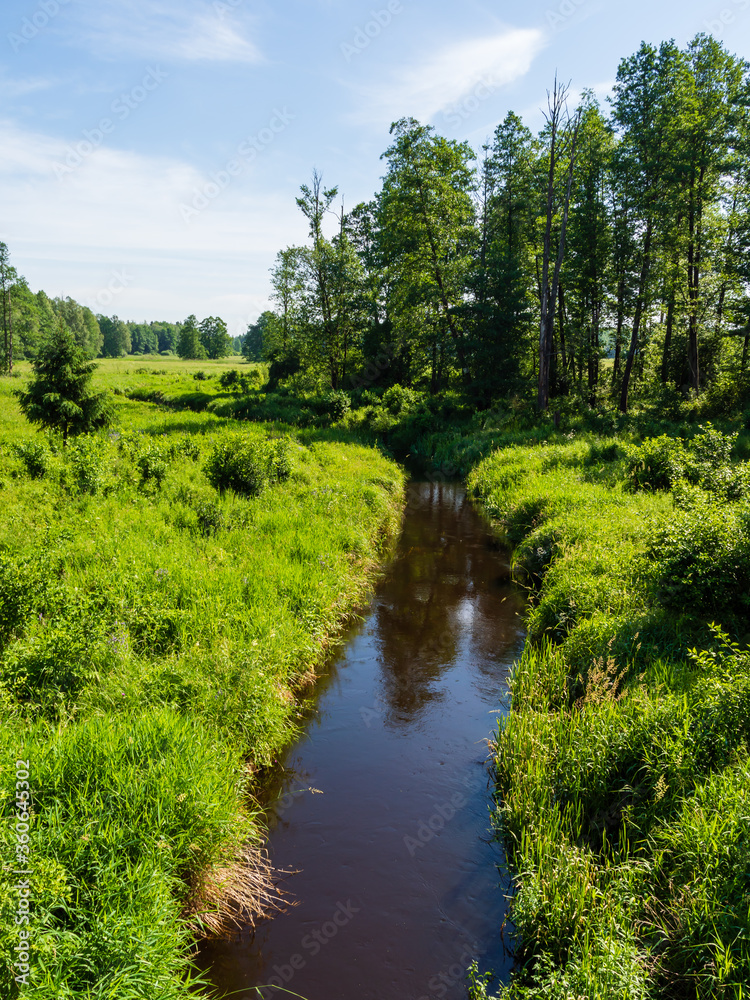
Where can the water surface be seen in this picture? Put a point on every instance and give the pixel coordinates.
(383, 805)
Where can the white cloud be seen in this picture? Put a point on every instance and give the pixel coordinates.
(447, 77)
(163, 29)
(121, 210)
(21, 87)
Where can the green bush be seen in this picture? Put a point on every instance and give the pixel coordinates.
(35, 457)
(85, 471)
(398, 399)
(247, 465)
(701, 558)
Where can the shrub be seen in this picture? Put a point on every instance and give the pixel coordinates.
(35, 457)
(247, 466)
(701, 557)
(335, 404)
(657, 464)
(152, 464)
(85, 470)
(398, 399)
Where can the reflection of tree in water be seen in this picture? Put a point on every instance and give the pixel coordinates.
(442, 590)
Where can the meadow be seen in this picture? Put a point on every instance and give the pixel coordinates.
(169, 590)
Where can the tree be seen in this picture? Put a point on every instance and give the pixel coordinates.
(115, 337)
(262, 336)
(426, 221)
(501, 278)
(644, 109)
(8, 277)
(563, 140)
(82, 324)
(59, 396)
(214, 337)
(189, 344)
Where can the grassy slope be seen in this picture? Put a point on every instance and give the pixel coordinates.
(155, 638)
(623, 778)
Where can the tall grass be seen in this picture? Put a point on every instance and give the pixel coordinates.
(622, 768)
(157, 640)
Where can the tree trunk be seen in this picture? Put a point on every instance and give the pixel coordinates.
(645, 268)
(668, 337)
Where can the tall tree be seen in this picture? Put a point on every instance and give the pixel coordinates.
(427, 218)
(213, 335)
(189, 344)
(8, 278)
(562, 151)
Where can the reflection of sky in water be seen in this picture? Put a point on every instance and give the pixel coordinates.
(401, 727)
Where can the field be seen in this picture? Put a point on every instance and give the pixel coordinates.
(165, 609)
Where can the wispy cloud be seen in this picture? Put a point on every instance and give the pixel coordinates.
(21, 87)
(444, 78)
(122, 209)
(162, 29)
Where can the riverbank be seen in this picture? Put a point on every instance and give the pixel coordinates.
(158, 636)
(622, 769)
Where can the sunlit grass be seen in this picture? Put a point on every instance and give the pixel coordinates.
(157, 639)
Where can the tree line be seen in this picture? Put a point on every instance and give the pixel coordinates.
(29, 320)
(522, 268)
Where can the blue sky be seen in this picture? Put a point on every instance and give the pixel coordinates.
(151, 150)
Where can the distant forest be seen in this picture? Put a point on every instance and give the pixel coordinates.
(606, 256)
(29, 317)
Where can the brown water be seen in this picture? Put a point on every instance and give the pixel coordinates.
(383, 805)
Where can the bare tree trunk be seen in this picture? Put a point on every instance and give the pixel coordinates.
(645, 268)
(548, 297)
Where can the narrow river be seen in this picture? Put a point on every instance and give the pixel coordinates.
(383, 806)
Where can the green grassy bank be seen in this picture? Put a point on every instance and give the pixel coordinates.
(623, 788)
(168, 589)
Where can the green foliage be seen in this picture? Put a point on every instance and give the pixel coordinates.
(35, 456)
(152, 642)
(622, 779)
(247, 466)
(85, 469)
(700, 558)
(59, 396)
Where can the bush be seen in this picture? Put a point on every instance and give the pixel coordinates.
(85, 471)
(399, 399)
(335, 404)
(247, 466)
(657, 464)
(35, 457)
(701, 557)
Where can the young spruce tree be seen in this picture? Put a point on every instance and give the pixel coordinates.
(59, 396)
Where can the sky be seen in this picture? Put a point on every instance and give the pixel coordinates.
(151, 150)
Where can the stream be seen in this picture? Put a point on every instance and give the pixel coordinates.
(382, 808)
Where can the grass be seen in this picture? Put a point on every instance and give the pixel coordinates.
(158, 639)
(622, 770)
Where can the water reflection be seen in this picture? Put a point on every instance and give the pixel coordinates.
(384, 803)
